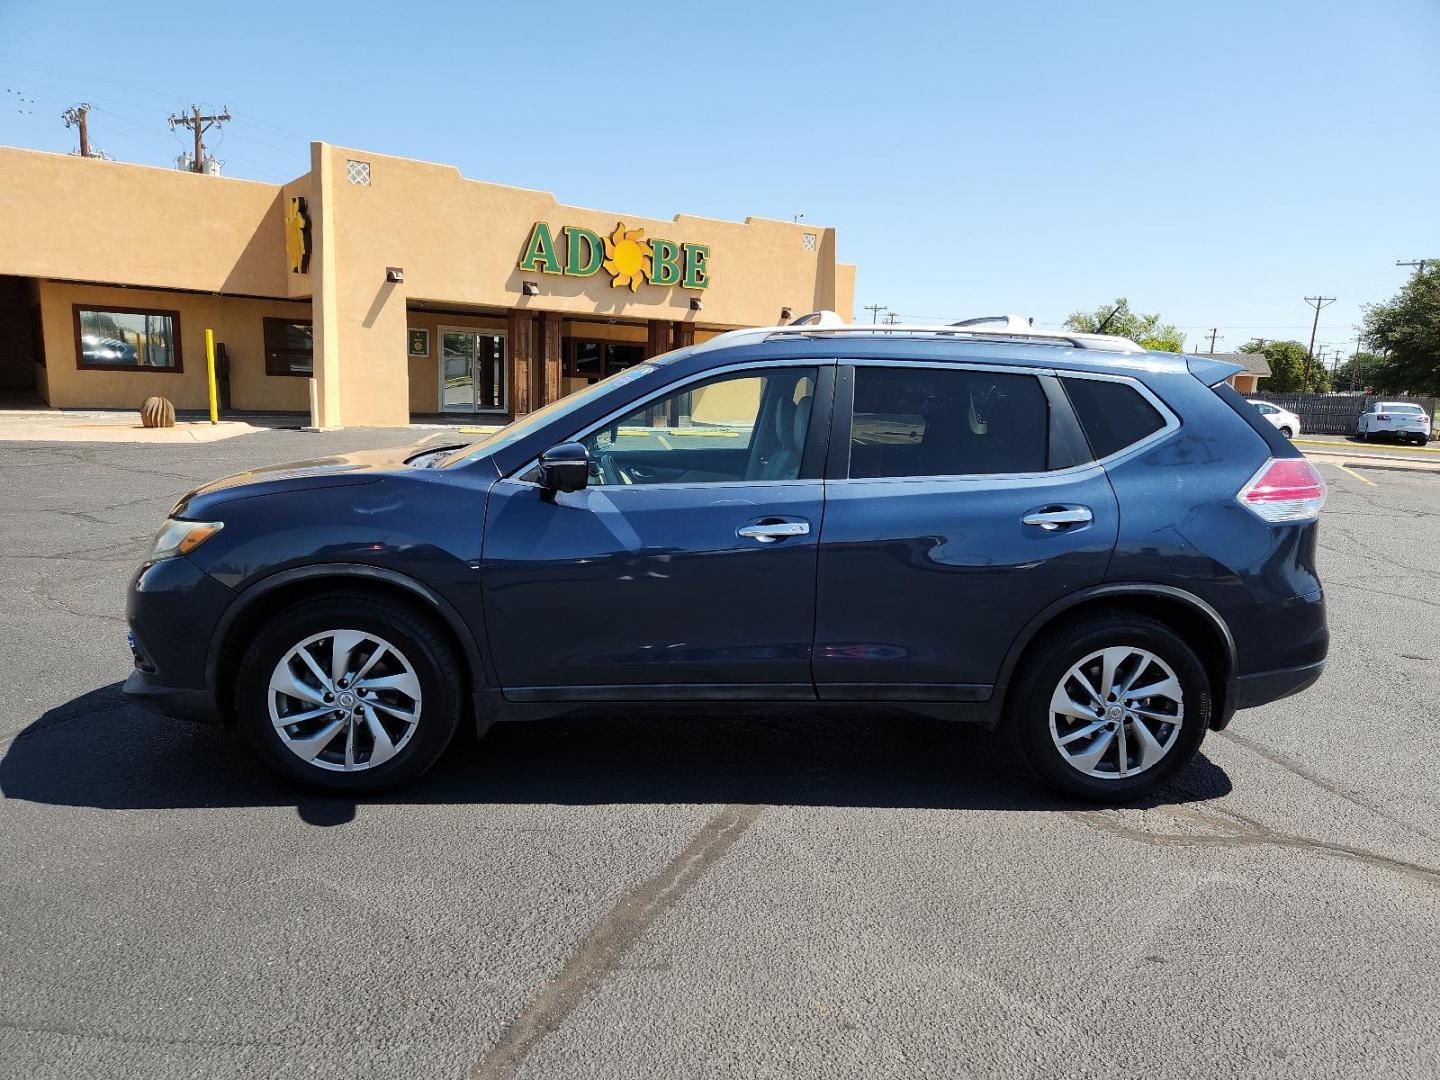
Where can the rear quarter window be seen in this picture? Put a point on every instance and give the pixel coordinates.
(1113, 415)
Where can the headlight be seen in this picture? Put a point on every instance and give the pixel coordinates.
(182, 537)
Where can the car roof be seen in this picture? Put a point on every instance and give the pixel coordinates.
(1085, 352)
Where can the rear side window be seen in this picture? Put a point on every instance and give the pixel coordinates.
(1113, 415)
(911, 421)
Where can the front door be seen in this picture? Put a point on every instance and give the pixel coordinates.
(948, 531)
(686, 569)
(472, 371)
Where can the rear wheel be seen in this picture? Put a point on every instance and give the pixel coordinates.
(1287, 432)
(349, 694)
(1111, 707)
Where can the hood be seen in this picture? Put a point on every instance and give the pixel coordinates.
(362, 467)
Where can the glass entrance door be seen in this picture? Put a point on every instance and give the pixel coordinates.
(472, 371)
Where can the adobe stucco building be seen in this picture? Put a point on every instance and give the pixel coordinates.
(400, 287)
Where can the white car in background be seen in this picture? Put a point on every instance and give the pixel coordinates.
(1398, 419)
(1287, 422)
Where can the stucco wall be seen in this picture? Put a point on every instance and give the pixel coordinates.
(216, 247)
(90, 220)
(236, 322)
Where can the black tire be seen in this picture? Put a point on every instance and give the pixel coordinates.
(417, 637)
(1287, 433)
(1028, 715)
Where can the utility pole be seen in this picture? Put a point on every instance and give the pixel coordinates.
(1317, 302)
(75, 117)
(199, 125)
(1214, 331)
(1419, 264)
(874, 310)
(892, 318)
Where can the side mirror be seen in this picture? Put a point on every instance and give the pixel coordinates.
(565, 467)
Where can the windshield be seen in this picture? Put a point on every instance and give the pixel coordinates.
(531, 422)
(1401, 408)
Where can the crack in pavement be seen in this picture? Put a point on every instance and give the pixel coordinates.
(1232, 830)
(1276, 758)
(602, 949)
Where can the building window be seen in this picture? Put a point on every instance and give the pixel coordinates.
(133, 339)
(289, 347)
(808, 241)
(594, 360)
(358, 172)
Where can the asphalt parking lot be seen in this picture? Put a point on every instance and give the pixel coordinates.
(714, 899)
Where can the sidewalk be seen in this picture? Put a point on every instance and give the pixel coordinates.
(105, 425)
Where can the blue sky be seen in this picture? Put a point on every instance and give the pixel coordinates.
(1214, 162)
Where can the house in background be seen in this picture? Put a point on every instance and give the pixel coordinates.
(1255, 365)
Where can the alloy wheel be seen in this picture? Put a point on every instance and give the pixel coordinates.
(1117, 713)
(344, 700)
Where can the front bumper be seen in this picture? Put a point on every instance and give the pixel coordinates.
(172, 611)
(182, 703)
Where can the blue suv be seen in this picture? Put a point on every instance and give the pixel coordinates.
(1101, 550)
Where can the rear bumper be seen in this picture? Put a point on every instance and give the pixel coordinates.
(182, 703)
(1267, 686)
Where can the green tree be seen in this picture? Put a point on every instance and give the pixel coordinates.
(1147, 331)
(1406, 330)
(1287, 367)
(1363, 369)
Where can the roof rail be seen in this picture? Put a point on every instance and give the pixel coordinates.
(1014, 329)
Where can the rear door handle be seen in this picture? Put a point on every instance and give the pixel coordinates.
(767, 532)
(1052, 518)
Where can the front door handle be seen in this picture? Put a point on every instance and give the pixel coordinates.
(1052, 518)
(767, 532)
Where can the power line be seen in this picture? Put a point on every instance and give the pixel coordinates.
(199, 124)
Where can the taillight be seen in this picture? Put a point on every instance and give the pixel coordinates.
(1285, 489)
(1382, 416)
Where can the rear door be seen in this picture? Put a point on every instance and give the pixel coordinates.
(960, 501)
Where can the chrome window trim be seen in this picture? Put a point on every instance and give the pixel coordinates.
(760, 366)
(1172, 422)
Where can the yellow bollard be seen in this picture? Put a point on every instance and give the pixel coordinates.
(210, 369)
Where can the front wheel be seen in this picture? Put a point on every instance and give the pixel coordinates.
(349, 694)
(1111, 707)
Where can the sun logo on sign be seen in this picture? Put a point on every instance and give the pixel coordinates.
(297, 236)
(627, 257)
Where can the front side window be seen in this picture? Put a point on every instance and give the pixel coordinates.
(911, 421)
(1113, 415)
(289, 347)
(745, 426)
(127, 340)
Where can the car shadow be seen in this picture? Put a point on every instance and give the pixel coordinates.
(99, 750)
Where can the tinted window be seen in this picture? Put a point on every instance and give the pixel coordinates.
(930, 422)
(1113, 415)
